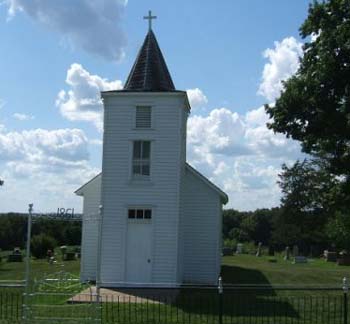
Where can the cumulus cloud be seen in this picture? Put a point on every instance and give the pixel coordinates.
(22, 117)
(196, 97)
(83, 101)
(94, 26)
(47, 147)
(44, 167)
(283, 62)
(240, 154)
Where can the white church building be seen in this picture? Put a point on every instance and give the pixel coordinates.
(161, 220)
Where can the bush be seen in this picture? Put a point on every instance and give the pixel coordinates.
(229, 243)
(40, 244)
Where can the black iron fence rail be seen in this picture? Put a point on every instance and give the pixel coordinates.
(237, 304)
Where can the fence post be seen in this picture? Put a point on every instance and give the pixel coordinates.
(220, 291)
(27, 274)
(345, 290)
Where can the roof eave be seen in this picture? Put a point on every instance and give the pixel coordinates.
(223, 195)
(80, 190)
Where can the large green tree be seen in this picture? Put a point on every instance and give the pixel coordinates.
(310, 200)
(314, 106)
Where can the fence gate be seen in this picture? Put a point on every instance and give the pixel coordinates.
(61, 298)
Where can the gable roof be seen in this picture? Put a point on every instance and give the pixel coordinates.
(149, 72)
(224, 197)
(80, 190)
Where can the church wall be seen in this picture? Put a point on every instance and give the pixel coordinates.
(161, 192)
(180, 262)
(92, 193)
(202, 232)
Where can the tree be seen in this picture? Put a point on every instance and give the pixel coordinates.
(41, 243)
(338, 230)
(310, 200)
(314, 106)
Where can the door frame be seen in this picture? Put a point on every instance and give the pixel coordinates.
(151, 223)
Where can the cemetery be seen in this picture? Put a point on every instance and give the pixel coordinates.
(154, 204)
(239, 271)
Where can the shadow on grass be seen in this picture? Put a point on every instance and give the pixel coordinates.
(238, 276)
(237, 301)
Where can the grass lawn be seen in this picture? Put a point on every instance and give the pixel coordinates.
(194, 306)
(39, 268)
(248, 269)
(240, 269)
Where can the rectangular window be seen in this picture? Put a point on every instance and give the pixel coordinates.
(141, 158)
(143, 117)
(140, 213)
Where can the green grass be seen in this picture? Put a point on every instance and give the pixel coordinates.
(240, 269)
(248, 269)
(16, 270)
(253, 307)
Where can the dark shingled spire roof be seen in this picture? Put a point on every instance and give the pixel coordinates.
(149, 72)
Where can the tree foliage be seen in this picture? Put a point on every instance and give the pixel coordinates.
(310, 200)
(13, 229)
(41, 243)
(314, 107)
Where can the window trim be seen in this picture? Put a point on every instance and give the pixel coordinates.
(151, 117)
(140, 177)
(135, 219)
(141, 161)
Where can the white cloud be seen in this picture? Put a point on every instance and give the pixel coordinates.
(47, 147)
(93, 26)
(96, 141)
(240, 154)
(197, 98)
(44, 167)
(256, 117)
(22, 117)
(283, 62)
(83, 101)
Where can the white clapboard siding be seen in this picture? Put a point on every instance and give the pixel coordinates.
(180, 252)
(91, 193)
(202, 230)
(161, 192)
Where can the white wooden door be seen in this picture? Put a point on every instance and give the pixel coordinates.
(139, 253)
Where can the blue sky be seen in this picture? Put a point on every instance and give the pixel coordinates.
(57, 55)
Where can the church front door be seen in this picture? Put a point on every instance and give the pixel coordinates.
(139, 253)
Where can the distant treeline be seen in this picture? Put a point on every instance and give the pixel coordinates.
(270, 227)
(13, 230)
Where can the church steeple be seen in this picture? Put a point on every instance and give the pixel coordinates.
(149, 72)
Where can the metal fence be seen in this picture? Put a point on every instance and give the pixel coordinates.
(235, 305)
(11, 301)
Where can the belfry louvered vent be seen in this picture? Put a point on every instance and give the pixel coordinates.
(143, 117)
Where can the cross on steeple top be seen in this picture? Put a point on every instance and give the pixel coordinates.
(149, 18)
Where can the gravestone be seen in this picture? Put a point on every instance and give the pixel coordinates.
(300, 259)
(63, 249)
(287, 254)
(69, 256)
(239, 249)
(344, 259)
(331, 256)
(15, 256)
(295, 250)
(226, 251)
(258, 252)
